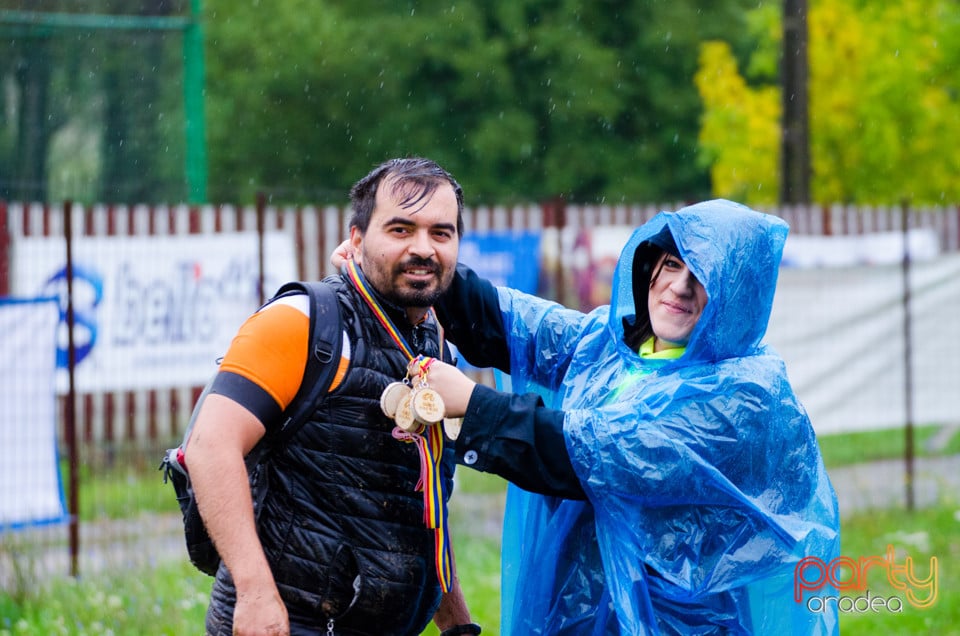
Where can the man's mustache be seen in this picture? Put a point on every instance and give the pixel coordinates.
(420, 263)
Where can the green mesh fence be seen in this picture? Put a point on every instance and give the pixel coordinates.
(100, 101)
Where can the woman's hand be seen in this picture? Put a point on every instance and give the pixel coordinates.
(453, 386)
(342, 254)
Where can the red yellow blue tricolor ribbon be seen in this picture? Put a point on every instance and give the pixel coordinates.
(429, 441)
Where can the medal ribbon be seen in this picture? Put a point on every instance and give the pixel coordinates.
(429, 441)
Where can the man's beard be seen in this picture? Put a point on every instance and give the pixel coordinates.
(419, 293)
(414, 297)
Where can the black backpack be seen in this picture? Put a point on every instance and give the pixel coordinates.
(326, 338)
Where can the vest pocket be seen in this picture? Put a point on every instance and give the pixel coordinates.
(344, 584)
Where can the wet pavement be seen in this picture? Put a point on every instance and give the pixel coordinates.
(883, 484)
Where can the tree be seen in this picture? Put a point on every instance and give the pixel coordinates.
(521, 99)
(27, 133)
(96, 105)
(884, 109)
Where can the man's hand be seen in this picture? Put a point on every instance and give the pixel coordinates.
(342, 254)
(260, 612)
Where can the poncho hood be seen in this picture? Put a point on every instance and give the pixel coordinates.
(735, 254)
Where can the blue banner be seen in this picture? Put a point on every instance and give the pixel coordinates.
(505, 258)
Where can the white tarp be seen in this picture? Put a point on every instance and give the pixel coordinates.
(152, 311)
(30, 488)
(841, 331)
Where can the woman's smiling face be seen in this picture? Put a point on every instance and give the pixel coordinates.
(675, 302)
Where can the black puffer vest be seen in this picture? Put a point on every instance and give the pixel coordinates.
(342, 525)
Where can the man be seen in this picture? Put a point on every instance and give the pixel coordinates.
(340, 545)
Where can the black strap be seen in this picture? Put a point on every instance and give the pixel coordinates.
(326, 341)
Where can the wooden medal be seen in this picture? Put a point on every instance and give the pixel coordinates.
(404, 416)
(391, 396)
(428, 406)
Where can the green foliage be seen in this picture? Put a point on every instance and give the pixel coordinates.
(884, 108)
(520, 99)
(92, 111)
(739, 135)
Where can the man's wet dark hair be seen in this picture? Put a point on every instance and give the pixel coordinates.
(414, 180)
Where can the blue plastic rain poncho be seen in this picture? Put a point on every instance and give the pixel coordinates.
(704, 481)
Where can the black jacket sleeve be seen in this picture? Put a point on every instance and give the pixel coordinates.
(520, 439)
(470, 314)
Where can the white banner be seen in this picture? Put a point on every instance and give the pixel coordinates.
(30, 489)
(841, 331)
(152, 311)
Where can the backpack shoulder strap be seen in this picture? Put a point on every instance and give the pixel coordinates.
(326, 341)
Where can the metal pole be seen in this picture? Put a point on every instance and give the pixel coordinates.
(907, 360)
(555, 216)
(795, 144)
(196, 129)
(261, 260)
(70, 426)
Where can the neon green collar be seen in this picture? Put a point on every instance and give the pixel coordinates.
(646, 351)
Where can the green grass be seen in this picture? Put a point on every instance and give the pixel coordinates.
(476, 510)
(171, 598)
(842, 449)
(114, 493)
(168, 600)
(920, 535)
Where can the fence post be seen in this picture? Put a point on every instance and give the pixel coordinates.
(261, 282)
(907, 358)
(555, 218)
(70, 415)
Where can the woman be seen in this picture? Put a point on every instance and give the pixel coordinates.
(679, 477)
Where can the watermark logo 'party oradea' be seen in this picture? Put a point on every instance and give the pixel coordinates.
(847, 575)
